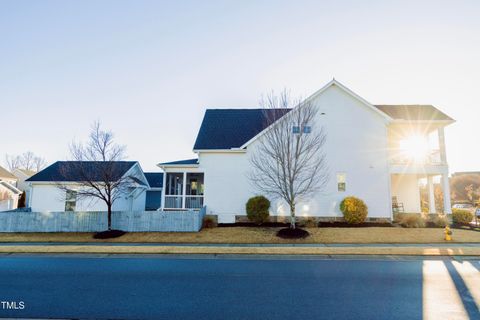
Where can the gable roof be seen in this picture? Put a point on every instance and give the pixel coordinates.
(155, 179)
(56, 171)
(231, 128)
(413, 112)
(4, 173)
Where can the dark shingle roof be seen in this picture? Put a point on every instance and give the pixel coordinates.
(413, 112)
(180, 162)
(68, 170)
(231, 128)
(155, 179)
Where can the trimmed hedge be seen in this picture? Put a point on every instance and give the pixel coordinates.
(257, 209)
(354, 210)
(461, 216)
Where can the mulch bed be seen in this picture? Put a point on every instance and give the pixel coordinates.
(288, 233)
(253, 225)
(109, 234)
(341, 224)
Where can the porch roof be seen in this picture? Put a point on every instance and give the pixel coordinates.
(414, 112)
(185, 162)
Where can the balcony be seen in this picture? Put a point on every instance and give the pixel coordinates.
(431, 157)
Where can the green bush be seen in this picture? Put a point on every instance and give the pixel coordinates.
(354, 210)
(461, 216)
(257, 209)
(412, 220)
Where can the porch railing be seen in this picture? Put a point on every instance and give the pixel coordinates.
(173, 202)
(176, 202)
(193, 202)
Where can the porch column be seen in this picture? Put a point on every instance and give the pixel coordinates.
(447, 205)
(431, 195)
(184, 189)
(441, 144)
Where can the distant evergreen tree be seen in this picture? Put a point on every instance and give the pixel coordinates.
(21, 201)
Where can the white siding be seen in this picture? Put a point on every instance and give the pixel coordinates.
(405, 188)
(356, 145)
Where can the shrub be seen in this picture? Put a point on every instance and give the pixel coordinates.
(257, 209)
(309, 223)
(354, 210)
(412, 220)
(209, 222)
(440, 221)
(461, 216)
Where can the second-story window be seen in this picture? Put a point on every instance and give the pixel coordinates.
(296, 129)
(303, 129)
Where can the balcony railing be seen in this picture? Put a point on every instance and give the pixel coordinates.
(432, 158)
(176, 202)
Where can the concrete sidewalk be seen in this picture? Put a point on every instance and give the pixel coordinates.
(453, 249)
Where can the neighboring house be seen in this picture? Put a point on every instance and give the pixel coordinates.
(45, 195)
(375, 152)
(7, 176)
(9, 193)
(153, 199)
(22, 175)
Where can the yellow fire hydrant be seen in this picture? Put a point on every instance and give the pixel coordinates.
(448, 234)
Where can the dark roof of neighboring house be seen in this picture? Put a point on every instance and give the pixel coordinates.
(180, 162)
(4, 173)
(413, 112)
(231, 128)
(155, 179)
(68, 170)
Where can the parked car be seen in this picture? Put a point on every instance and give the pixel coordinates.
(462, 206)
(477, 212)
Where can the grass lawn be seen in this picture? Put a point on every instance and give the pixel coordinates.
(262, 235)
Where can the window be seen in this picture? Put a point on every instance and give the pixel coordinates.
(341, 182)
(70, 200)
(304, 129)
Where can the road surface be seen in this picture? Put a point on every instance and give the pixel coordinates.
(119, 287)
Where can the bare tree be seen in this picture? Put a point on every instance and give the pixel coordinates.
(96, 170)
(38, 163)
(288, 163)
(13, 162)
(28, 161)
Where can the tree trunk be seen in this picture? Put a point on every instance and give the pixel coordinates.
(109, 208)
(292, 216)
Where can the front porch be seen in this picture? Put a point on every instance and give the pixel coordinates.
(415, 193)
(183, 185)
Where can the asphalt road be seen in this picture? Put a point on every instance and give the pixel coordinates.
(260, 288)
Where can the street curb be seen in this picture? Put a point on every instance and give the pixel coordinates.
(384, 250)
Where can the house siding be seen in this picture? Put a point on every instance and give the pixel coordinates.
(356, 145)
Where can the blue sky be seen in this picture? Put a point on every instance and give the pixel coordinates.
(149, 69)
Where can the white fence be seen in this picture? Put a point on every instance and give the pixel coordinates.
(160, 221)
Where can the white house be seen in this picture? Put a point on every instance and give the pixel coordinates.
(9, 193)
(378, 153)
(22, 175)
(45, 194)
